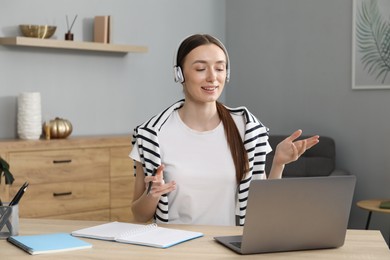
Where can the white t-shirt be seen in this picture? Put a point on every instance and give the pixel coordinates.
(202, 166)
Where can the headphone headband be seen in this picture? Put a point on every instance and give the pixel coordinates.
(178, 72)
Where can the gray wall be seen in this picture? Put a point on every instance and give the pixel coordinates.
(100, 93)
(291, 66)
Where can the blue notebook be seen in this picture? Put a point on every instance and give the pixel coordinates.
(48, 243)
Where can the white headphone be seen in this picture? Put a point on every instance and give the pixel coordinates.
(178, 73)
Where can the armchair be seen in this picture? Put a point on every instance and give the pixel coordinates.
(320, 160)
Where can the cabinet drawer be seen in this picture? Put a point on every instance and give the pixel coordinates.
(98, 215)
(59, 165)
(122, 214)
(42, 200)
(122, 191)
(121, 163)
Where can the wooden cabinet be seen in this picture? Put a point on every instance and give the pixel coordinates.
(121, 184)
(88, 178)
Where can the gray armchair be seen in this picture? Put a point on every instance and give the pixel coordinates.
(320, 160)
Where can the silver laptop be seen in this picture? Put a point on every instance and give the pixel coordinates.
(295, 214)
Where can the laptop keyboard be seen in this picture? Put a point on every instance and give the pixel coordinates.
(236, 244)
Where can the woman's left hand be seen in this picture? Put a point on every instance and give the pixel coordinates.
(290, 149)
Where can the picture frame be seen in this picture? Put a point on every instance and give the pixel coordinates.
(371, 44)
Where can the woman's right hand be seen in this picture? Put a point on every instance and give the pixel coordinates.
(159, 187)
(144, 205)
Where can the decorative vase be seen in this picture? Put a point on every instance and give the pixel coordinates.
(29, 116)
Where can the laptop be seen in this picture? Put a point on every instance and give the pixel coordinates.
(292, 214)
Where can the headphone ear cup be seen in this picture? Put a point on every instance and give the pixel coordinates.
(228, 75)
(178, 74)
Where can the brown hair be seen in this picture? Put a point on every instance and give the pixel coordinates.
(237, 148)
(236, 145)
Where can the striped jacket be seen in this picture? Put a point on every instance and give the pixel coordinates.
(255, 142)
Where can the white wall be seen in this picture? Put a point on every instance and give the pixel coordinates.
(291, 66)
(100, 93)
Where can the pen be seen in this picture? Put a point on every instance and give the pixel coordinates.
(151, 183)
(19, 194)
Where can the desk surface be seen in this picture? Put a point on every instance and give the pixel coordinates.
(359, 244)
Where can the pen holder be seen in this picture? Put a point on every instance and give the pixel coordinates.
(9, 221)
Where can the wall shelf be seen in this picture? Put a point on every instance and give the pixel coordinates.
(72, 45)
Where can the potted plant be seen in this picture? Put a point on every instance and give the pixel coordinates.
(4, 171)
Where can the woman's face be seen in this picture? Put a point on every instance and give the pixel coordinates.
(204, 70)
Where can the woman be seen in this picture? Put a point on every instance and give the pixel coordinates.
(198, 155)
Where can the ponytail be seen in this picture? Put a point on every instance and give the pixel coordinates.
(237, 148)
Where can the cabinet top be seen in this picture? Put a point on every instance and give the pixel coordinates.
(9, 145)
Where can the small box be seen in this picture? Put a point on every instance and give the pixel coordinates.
(9, 221)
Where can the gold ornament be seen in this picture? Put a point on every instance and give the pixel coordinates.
(58, 128)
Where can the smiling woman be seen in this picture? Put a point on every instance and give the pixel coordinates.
(204, 73)
(204, 153)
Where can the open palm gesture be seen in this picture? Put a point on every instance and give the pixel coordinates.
(290, 149)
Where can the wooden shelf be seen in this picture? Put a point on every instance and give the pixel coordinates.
(71, 45)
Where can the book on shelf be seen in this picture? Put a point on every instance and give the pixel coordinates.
(48, 243)
(147, 235)
(385, 204)
(102, 29)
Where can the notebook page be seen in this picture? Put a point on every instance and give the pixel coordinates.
(158, 237)
(108, 231)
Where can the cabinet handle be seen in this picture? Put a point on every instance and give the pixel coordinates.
(56, 194)
(62, 161)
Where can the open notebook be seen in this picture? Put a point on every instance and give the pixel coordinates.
(146, 235)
